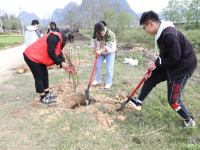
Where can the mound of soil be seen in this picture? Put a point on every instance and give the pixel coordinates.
(100, 109)
(137, 49)
(81, 37)
(126, 47)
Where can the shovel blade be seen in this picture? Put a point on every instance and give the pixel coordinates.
(122, 105)
(87, 97)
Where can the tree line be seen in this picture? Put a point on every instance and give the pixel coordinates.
(183, 11)
(10, 22)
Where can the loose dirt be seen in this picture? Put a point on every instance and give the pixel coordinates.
(131, 48)
(126, 46)
(80, 37)
(100, 106)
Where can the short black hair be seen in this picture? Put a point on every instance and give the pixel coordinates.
(34, 22)
(53, 23)
(149, 16)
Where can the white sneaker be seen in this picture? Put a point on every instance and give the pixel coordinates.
(95, 82)
(107, 86)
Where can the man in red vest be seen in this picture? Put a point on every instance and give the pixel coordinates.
(45, 52)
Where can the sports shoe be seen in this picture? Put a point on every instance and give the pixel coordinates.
(95, 82)
(50, 95)
(46, 100)
(107, 86)
(191, 122)
(134, 102)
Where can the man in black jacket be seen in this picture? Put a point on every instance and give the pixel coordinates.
(175, 63)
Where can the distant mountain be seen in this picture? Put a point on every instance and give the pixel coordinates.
(58, 15)
(139, 15)
(124, 6)
(28, 17)
(160, 14)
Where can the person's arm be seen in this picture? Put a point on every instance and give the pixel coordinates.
(52, 41)
(61, 57)
(38, 33)
(101, 51)
(110, 46)
(173, 50)
(157, 63)
(94, 45)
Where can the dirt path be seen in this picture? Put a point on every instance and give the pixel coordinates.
(10, 59)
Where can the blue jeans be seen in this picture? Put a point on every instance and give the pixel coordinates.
(109, 67)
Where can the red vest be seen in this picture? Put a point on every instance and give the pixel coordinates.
(38, 51)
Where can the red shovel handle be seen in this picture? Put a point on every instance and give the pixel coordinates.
(149, 71)
(97, 56)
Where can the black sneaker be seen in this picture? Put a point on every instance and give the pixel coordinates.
(135, 104)
(191, 122)
(50, 95)
(46, 100)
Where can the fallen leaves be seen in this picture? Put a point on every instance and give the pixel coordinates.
(66, 128)
(68, 123)
(90, 134)
(121, 118)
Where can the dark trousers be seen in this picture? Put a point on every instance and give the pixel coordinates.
(40, 74)
(174, 89)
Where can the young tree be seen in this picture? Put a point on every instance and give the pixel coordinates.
(92, 11)
(11, 22)
(194, 12)
(171, 12)
(70, 18)
(118, 21)
(191, 12)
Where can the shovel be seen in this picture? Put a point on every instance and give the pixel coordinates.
(129, 98)
(87, 91)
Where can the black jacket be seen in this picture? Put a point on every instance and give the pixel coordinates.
(176, 52)
(52, 42)
(53, 30)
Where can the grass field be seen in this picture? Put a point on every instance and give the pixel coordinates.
(33, 130)
(10, 40)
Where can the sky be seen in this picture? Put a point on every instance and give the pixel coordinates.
(43, 7)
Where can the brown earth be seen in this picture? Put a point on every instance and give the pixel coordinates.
(100, 106)
(126, 46)
(80, 37)
(137, 49)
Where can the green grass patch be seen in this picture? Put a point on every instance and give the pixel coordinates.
(10, 40)
(140, 38)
